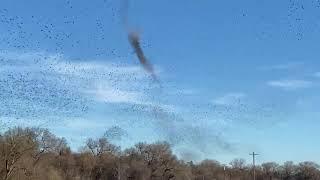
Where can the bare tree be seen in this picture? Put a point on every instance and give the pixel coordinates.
(308, 170)
(270, 169)
(34, 153)
(238, 168)
(100, 146)
(17, 149)
(288, 170)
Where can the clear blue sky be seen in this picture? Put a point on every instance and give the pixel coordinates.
(236, 76)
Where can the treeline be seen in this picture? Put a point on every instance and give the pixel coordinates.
(37, 154)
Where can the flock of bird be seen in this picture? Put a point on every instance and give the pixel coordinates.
(41, 87)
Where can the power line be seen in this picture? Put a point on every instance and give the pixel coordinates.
(253, 154)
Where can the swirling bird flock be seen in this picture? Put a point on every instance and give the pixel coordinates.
(40, 84)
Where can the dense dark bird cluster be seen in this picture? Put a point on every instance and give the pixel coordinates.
(296, 19)
(115, 133)
(134, 40)
(34, 32)
(32, 89)
(298, 22)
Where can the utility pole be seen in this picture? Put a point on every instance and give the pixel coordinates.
(253, 154)
(224, 172)
(119, 168)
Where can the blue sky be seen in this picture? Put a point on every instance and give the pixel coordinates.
(236, 77)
